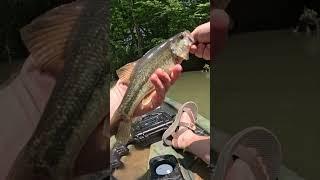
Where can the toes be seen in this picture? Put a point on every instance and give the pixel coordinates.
(175, 143)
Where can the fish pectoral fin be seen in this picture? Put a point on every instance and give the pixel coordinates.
(148, 98)
(183, 56)
(180, 55)
(124, 73)
(46, 36)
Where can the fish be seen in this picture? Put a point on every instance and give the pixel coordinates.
(136, 74)
(70, 39)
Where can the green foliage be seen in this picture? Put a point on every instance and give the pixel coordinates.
(136, 25)
(139, 25)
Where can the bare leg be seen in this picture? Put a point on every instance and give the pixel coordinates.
(200, 147)
(191, 142)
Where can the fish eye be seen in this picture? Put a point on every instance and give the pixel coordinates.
(181, 36)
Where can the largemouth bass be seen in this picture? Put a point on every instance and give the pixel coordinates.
(74, 37)
(137, 74)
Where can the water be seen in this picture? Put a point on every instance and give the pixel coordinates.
(272, 79)
(193, 86)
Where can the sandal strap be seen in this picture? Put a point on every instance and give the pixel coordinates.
(245, 155)
(189, 107)
(177, 134)
(190, 126)
(238, 145)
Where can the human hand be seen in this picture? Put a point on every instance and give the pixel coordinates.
(201, 35)
(161, 80)
(201, 47)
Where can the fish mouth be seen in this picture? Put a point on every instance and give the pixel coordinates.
(189, 36)
(191, 39)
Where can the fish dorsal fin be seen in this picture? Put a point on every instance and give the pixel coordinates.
(46, 37)
(124, 73)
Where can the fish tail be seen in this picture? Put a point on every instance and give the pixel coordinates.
(123, 134)
(116, 117)
(108, 125)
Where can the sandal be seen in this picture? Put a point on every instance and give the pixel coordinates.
(192, 110)
(266, 146)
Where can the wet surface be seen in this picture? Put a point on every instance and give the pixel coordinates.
(135, 164)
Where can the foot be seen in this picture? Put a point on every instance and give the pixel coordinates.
(240, 170)
(184, 136)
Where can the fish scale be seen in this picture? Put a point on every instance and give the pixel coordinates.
(77, 104)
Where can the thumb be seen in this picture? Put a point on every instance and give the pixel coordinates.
(201, 34)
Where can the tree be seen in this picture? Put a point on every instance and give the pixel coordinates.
(139, 25)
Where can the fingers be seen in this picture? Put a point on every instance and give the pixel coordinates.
(164, 78)
(201, 34)
(160, 90)
(175, 73)
(159, 93)
(201, 51)
(206, 53)
(193, 48)
(201, 48)
(162, 81)
(159, 87)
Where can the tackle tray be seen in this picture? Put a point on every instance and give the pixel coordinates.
(149, 128)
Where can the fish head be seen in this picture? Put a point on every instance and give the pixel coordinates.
(180, 45)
